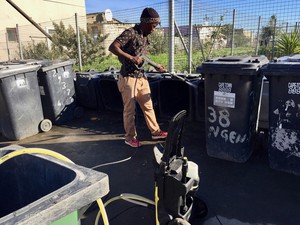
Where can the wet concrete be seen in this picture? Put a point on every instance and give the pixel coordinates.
(236, 193)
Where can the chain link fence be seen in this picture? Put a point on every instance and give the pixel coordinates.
(219, 28)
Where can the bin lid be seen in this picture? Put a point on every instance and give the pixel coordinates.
(10, 70)
(188, 76)
(237, 65)
(153, 75)
(285, 65)
(56, 64)
(90, 74)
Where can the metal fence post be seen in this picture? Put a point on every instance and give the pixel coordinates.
(171, 36)
(233, 25)
(78, 43)
(273, 40)
(19, 41)
(7, 47)
(257, 39)
(190, 37)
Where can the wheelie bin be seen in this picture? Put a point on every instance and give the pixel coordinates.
(86, 88)
(232, 96)
(154, 81)
(21, 113)
(177, 92)
(57, 89)
(284, 113)
(109, 92)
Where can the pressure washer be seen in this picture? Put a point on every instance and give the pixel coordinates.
(147, 61)
(176, 178)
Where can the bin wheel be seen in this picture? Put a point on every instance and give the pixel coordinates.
(46, 125)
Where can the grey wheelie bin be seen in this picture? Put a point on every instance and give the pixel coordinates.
(232, 96)
(284, 114)
(21, 113)
(57, 89)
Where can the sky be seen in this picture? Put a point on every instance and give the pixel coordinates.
(93, 6)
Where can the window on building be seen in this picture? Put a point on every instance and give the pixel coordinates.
(51, 31)
(11, 34)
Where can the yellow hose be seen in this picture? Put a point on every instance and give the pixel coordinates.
(136, 199)
(103, 211)
(156, 204)
(34, 150)
(55, 155)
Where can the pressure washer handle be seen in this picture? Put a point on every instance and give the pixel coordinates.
(148, 61)
(156, 66)
(184, 170)
(178, 77)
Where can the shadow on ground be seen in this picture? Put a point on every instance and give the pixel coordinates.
(236, 193)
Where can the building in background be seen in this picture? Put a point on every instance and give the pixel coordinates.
(43, 12)
(99, 24)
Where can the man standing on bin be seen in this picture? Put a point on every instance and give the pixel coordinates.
(133, 83)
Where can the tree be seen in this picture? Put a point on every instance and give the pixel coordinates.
(240, 39)
(65, 42)
(269, 32)
(288, 44)
(213, 39)
(158, 42)
(38, 50)
(226, 30)
(64, 46)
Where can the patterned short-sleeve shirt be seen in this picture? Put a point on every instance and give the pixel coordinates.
(134, 43)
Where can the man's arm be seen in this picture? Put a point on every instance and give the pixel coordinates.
(116, 49)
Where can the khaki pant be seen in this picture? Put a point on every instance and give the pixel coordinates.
(136, 89)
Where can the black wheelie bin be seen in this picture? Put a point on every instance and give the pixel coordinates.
(284, 113)
(232, 96)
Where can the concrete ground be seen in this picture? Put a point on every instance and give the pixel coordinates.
(235, 193)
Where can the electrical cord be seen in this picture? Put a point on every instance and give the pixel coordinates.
(114, 162)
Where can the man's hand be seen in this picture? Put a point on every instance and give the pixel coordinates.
(161, 68)
(136, 60)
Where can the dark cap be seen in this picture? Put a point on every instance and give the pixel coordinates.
(149, 15)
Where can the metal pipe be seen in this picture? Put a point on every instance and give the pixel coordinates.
(233, 25)
(78, 43)
(181, 38)
(257, 42)
(19, 41)
(273, 39)
(8, 52)
(190, 37)
(29, 19)
(171, 36)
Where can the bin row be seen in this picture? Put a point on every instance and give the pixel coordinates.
(235, 96)
(34, 95)
(235, 90)
(99, 90)
(228, 94)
